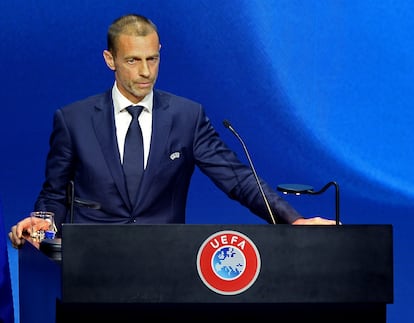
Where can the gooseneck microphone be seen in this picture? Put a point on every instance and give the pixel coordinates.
(73, 201)
(227, 124)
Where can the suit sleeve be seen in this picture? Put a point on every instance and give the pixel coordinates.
(236, 179)
(52, 196)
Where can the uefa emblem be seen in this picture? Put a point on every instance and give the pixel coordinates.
(228, 262)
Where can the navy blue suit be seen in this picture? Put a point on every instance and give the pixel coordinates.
(83, 148)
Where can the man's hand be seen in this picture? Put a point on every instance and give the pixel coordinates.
(315, 220)
(17, 232)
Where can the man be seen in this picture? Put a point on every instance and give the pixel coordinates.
(88, 138)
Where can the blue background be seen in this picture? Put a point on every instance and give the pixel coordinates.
(319, 91)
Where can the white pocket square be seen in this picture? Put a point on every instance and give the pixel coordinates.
(175, 155)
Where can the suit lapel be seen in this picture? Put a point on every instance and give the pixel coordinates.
(161, 127)
(104, 125)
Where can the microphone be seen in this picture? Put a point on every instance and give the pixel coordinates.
(227, 124)
(70, 194)
(74, 201)
(52, 247)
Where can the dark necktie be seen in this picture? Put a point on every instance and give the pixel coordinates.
(133, 163)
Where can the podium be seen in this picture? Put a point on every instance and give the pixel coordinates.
(123, 273)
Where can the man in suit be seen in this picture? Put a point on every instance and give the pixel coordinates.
(87, 147)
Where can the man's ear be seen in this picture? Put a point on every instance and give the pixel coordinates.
(109, 59)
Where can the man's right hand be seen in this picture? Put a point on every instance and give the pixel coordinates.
(18, 231)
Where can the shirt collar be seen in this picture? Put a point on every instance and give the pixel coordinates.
(121, 102)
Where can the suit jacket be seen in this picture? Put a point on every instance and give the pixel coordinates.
(83, 148)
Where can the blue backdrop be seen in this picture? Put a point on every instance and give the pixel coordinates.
(319, 90)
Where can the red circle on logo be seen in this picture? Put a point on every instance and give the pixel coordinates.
(241, 244)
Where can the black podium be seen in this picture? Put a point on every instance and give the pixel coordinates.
(124, 273)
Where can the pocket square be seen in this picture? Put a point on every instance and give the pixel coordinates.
(175, 155)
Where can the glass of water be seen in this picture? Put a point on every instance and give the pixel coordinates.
(42, 225)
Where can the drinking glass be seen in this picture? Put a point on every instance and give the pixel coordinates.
(43, 225)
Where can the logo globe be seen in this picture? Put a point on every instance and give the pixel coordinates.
(228, 262)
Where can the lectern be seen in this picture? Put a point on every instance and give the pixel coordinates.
(123, 273)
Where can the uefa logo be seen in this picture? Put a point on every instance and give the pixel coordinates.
(228, 262)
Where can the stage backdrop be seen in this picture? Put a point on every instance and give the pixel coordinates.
(319, 91)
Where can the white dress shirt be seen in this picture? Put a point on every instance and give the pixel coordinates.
(123, 119)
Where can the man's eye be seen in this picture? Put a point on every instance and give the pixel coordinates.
(131, 60)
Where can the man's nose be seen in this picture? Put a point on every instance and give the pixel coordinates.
(144, 69)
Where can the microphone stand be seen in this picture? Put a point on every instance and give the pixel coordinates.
(269, 210)
(323, 189)
(298, 189)
(71, 197)
(52, 247)
(74, 201)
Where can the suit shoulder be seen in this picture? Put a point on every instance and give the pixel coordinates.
(90, 101)
(171, 98)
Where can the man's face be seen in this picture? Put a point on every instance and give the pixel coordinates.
(135, 64)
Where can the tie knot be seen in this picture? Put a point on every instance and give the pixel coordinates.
(135, 110)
